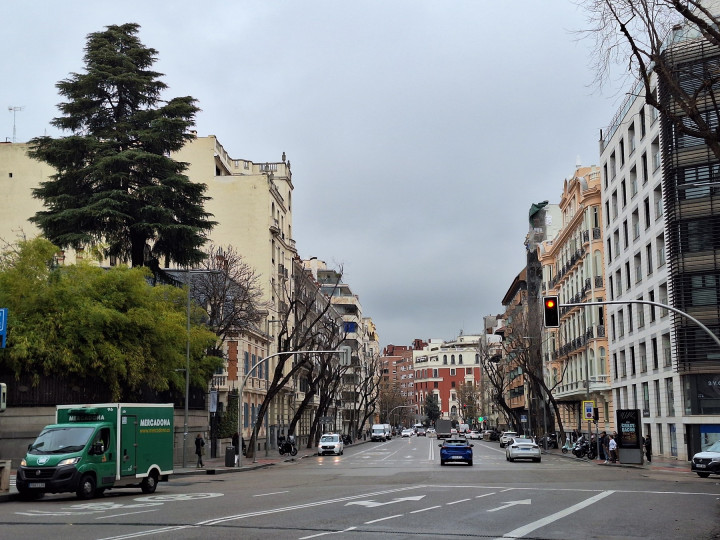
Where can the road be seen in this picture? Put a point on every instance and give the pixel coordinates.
(395, 489)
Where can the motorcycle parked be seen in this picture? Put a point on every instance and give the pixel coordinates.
(584, 448)
(287, 446)
(552, 441)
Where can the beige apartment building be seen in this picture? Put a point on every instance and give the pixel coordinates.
(575, 355)
(252, 203)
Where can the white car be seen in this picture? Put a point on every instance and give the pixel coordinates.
(522, 448)
(473, 435)
(407, 432)
(506, 437)
(330, 443)
(707, 462)
(431, 432)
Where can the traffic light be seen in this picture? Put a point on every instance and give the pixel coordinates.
(551, 315)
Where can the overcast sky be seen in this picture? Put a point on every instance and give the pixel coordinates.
(419, 132)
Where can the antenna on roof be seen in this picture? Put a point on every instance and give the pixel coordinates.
(14, 110)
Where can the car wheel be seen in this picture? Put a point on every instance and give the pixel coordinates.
(86, 487)
(703, 474)
(511, 459)
(536, 460)
(502, 445)
(442, 462)
(470, 462)
(149, 483)
(341, 452)
(507, 458)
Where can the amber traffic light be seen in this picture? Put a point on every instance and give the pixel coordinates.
(551, 315)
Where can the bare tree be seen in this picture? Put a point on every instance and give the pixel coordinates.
(657, 37)
(229, 291)
(468, 397)
(306, 322)
(366, 388)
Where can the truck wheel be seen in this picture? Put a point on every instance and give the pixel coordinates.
(703, 474)
(149, 483)
(86, 487)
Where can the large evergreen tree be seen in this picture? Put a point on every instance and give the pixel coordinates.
(115, 185)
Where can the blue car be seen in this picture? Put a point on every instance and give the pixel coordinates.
(454, 450)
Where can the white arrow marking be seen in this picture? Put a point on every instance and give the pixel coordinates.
(509, 504)
(373, 504)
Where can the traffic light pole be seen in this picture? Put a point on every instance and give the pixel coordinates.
(657, 304)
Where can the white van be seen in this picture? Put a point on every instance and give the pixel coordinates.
(379, 432)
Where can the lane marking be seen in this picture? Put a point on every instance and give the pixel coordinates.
(325, 533)
(530, 527)
(383, 519)
(456, 502)
(274, 493)
(426, 509)
(127, 513)
(147, 533)
(301, 506)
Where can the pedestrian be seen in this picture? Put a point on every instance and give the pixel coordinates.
(648, 447)
(236, 445)
(199, 450)
(604, 451)
(612, 446)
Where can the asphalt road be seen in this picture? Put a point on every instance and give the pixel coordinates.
(392, 490)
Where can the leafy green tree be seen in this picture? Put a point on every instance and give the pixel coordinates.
(229, 422)
(88, 322)
(114, 184)
(432, 409)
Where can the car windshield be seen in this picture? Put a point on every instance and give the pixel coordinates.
(714, 447)
(61, 440)
(329, 438)
(455, 442)
(510, 434)
(522, 440)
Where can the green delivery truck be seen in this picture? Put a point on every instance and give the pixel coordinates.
(92, 448)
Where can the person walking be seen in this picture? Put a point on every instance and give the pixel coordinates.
(648, 448)
(199, 450)
(612, 446)
(236, 445)
(605, 451)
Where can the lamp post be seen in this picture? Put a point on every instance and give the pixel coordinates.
(344, 350)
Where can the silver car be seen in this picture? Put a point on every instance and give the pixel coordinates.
(522, 448)
(506, 437)
(330, 443)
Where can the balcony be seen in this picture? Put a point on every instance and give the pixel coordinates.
(275, 226)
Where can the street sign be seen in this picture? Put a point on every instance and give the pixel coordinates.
(588, 410)
(523, 419)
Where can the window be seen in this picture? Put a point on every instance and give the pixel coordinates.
(651, 298)
(632, 361)
(460, 359)
(670, 396)
(636, 224)
(607, 213)
(247, 362)
(626, 241)
(621, 323)
(667, 357)
(468, 371)
(643, 358)
(646, 399)
(645, 170)
(609, 250)
(637, 260)
(640, 314)
(653, 341)
(634, 396)
(623, 192)
(649, 259)
(642, 122)
(663, 299)
(660, 245)
(614, 202)
(615, 365)
(452, 373)
(622, 152)
(658, 402)
(628, 276)
(658, 202)
(435, 373)
(646, 207)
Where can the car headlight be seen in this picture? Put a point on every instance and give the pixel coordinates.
(715, 459)
(23, 463)
(69, 461)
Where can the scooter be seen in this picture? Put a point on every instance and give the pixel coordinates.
(287, 446)
(584, 448)
(567, 447)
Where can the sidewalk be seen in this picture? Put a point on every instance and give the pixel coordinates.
(658, 463)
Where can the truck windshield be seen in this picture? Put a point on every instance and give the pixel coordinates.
(61, 440)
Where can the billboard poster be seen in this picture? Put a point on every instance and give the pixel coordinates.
(629, 428)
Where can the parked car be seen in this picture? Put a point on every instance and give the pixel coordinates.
(407, 433)
(331, 443)
(522, 448)
(421, 432)
(506, 437)
(456, 449)
(473, 435)
(707, 462)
